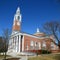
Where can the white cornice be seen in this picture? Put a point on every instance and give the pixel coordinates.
(18, 33)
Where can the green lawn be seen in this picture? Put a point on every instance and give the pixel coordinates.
(8, 57)
(46, 57)
(41, 57)
(2, 56)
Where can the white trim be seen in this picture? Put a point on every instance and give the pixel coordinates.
(35, 36)
(18, 33)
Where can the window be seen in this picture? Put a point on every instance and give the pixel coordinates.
(52, 45)
(32, 43)
(26, 47)
(35, 43)
(39, 45)
(44, 45)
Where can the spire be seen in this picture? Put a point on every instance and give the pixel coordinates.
(18, 11)
(38, 30)
(17, 16)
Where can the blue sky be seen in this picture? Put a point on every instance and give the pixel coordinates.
(34, 13)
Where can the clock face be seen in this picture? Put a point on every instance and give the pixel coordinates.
(18, 23)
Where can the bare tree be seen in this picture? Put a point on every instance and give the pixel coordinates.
(5, 38)
(53, 28)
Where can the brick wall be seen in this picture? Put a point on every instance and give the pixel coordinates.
(28, 39)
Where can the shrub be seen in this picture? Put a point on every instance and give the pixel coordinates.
(45, 52)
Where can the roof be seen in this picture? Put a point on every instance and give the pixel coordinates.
(26, 34)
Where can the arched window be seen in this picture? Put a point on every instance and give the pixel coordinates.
(26, 47)
(32, 43)
(52, 45)
(36, 45)
(39, 45)
(44, 45)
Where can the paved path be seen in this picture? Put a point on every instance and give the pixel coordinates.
(24, 58)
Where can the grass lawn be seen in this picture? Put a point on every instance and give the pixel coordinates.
(41, 57)
(8, 57)
(46, 57)
(2, 57)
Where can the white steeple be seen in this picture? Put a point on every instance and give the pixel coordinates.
(18, 11)
(38, 30)
(17, 16)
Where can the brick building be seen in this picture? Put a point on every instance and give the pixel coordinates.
(21, 42)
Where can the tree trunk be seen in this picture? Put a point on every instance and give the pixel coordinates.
(5, 56)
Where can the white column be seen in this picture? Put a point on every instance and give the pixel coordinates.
(8, 46)
(16, 43)
(23, 44)
(19, 42)
(12, 43)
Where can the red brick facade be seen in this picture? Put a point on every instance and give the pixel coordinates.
(27, 44)
(27, 41)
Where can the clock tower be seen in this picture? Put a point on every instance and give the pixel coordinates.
(17, 21)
